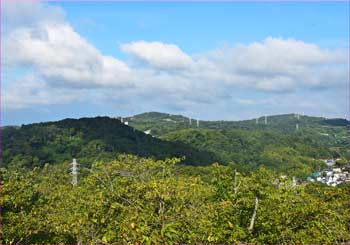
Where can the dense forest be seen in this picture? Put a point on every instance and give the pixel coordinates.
(137, 200)
(332, 132)
(162, 180)
(102, 138)
(249, 149)
(88, 140)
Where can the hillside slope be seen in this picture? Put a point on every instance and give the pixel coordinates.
(245, 143)
(250, 148)
(87, 139)
(330, 132)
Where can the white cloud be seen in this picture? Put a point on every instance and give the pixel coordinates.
(62, 60)
(275, 65)
(62, 56)
(158, 54)
(246, 101)
(31, 91)
(28, 13)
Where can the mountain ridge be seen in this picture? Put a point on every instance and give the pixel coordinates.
(102, 138)
(86, 139)
(333, 132)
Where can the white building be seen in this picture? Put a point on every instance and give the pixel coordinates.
(328, 162)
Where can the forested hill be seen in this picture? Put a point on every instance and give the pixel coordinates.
(331, 132)
(249, 149)
(87, 139)
(244, 143)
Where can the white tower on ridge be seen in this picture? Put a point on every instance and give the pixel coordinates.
(190, 121)
(265, 120)
(197, 123)
(75, 172)
(257, 120)
(297, 127)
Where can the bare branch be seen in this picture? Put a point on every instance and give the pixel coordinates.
(252, 221)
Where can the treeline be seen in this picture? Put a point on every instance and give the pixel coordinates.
(330, 132)
(292, 154)
(139, 200)
(102, 138)
(88, 140)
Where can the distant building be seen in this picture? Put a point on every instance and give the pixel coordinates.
(310, 179)
(332, 177)
(169, 120)
(316, 175)
(328, 162)
(337, 170)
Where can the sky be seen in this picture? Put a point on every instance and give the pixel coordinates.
(211, 61)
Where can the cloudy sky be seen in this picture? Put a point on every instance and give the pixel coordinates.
(226, 61)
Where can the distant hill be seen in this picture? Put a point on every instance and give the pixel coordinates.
(248, 144)
(159, 123)
(336, 122)
(248, 149)
(87, 139)
(331, 132)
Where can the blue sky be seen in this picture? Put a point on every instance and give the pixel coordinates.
(197, 27)
(225, 60)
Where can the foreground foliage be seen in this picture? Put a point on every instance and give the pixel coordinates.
(134, 199)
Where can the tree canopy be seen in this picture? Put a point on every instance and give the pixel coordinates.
(140, 200)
